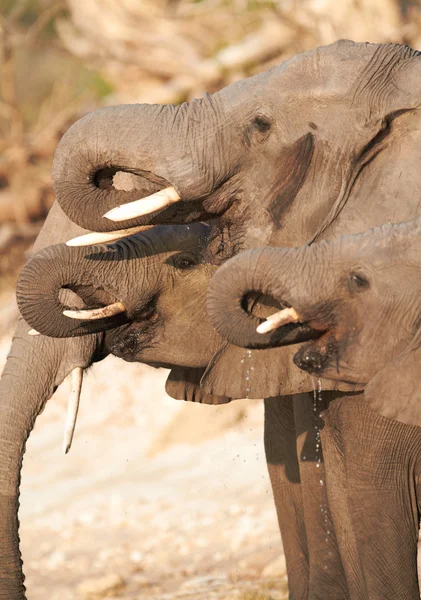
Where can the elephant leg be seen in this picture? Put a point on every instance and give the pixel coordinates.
(373, 498)
(284, 472)
(326, 573)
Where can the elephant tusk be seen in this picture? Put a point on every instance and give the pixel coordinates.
(96, 313)
(72, 407)
(144, 206)
(33, 332)
(282, 317)
(90, 239)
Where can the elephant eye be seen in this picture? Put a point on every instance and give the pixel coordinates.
(262, 123)
(184, 261)
(358, 282)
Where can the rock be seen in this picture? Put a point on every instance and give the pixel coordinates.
(101, 587)
(276, 568)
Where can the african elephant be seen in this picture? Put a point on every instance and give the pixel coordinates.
(323, 144)
(171, 277)
(358, 301)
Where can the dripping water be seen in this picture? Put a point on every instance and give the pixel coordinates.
(247, 361)
(317, 403)
(317, 408)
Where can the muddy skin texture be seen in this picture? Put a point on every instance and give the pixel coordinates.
(363, 292)
(272, 175)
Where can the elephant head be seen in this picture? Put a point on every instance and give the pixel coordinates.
(355, 302)
(146, 292)
(280, 157)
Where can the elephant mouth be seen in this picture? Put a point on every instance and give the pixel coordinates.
(286, 325)
(295, 333)
(162, 207)
(314, 326)
(130, 340)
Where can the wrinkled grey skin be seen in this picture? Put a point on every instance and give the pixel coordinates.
(359, 304)
(272, 174)
(171, 276)
(325, 144)
(160, 276)
(282, 158)
(359, 301)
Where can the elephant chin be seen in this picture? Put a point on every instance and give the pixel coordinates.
(317, 356)
(128, 342)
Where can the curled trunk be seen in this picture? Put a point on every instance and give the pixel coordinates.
(124, 153)
(56, 268)
(250, 275)
(98, 146)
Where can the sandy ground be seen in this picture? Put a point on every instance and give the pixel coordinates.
(157, 499)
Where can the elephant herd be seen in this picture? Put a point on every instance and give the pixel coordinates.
(258, 242)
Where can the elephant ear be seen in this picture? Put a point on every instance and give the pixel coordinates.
(183, 383)
(395, 392)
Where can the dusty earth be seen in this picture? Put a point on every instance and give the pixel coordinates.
(157, 499)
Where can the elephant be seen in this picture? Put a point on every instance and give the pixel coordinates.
(323, 144)
(358, 300)
(287, 157)
(158, 330)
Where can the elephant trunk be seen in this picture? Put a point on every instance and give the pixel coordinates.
(150, 147)
(42, 289)
(32, 372)
(268, 272)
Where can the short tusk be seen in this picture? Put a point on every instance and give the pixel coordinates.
(96, 313)
(72, 408)
(282, 317)
(33, 332)
(144, 206)
(90, 239)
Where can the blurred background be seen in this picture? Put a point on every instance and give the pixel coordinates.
(157, 499)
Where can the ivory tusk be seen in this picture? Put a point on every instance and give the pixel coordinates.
(33, 332)
(90, 239)
(96, 313)
(282, 317)
(144, 206)
(72, 407)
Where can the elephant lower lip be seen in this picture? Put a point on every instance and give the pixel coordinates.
(312, 362)
(130, 340)
(295, 333)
